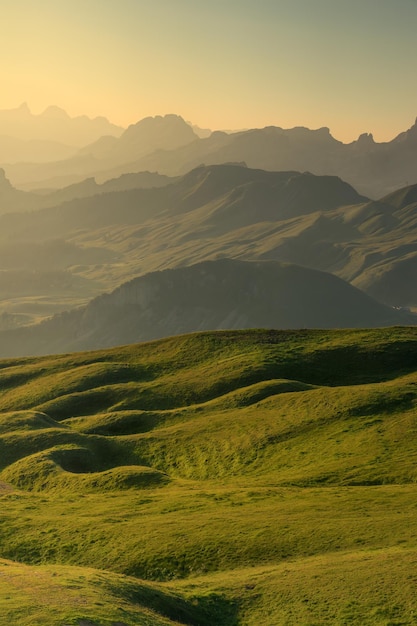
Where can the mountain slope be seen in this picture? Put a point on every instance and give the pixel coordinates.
(14, 200)
(284, 194)
(214, 212)
(223, 294)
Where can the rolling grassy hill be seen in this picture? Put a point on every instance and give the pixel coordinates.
(222, 478)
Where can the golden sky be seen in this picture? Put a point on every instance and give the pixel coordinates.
(346, 64)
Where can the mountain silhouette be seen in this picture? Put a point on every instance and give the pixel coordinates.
(54, 124)
(108, 157)
(170, 146)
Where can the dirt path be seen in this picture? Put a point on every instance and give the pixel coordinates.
(5, 487)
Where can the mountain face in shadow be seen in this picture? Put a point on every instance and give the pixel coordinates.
(389, 261)
(223, 294)
(170, 146)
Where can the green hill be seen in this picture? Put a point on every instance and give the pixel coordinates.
(222, 478)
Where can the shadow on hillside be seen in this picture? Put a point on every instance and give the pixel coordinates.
(204, 610)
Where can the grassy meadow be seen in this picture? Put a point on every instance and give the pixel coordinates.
(220, 478)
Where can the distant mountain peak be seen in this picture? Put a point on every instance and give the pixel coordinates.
(365, 139)
(173, 116)
(24, 108)
(54, 125)
(158, 120)
(55, 112)
(160, 132)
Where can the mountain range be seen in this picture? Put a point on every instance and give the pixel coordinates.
(109, 155)
(60, 248)
(170, 146)
(54, 125)
(102, 241)
(50, 136)
(227, 211)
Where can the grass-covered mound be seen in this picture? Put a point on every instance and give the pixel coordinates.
(210, 461)
(56, 594)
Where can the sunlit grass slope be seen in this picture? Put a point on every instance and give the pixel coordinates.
(331, 589)
(250, 477)
(69, 595)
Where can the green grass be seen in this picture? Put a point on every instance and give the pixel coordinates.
(57, 595)
(331, 589)
(249, 477)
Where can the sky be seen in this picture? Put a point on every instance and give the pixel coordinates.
(350, 65)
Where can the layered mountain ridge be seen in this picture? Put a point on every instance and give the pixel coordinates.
(212, 212)
(169, 145)
(54, 124)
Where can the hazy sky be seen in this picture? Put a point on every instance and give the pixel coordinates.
(347, 64)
